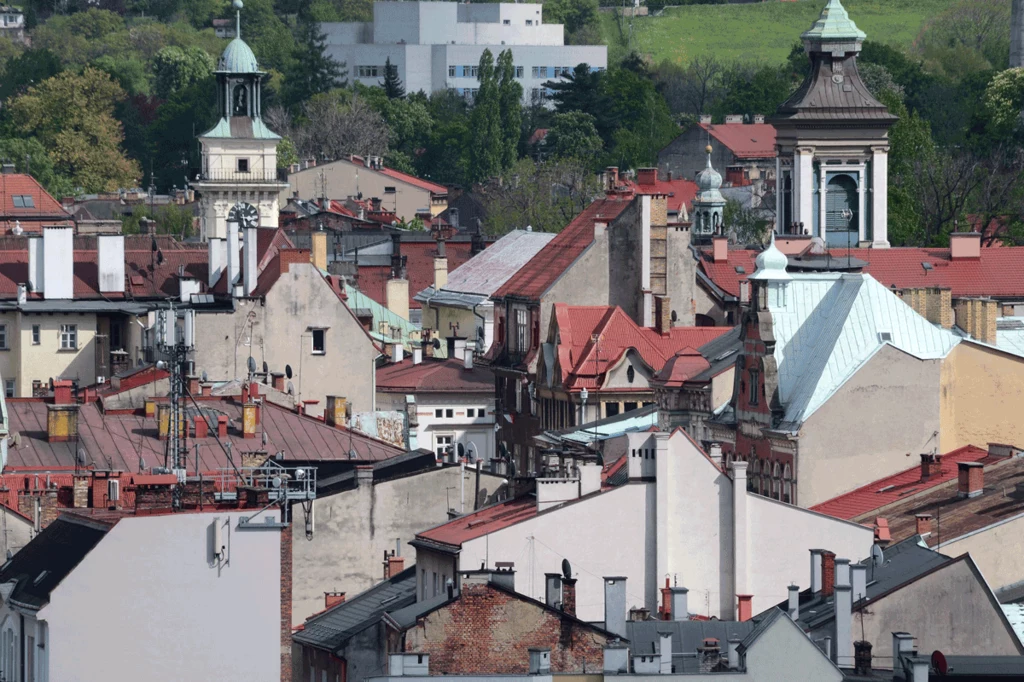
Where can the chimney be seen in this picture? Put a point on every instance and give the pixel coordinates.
(662, 315)
(720, 249)
(80, 491)
(110, 253)
(58, 262)
(417, 355)
(744, 607)
(616, 658)
(364, 475)
(665, 610)
(333, 599)
(397, 352)
(733, 656)
(467, 359)
(902, 645)
(680, 609)
(62, 415)
(440, 267)
(396, 255)
(964, 245)
(924, 524)
(794, 602)
(277, 381)
(250, 262)
(540, 661)
(705, 119)
(397, 297)
(734, 118)
(615, 605)
(977, 317)
(862, 658)
(843, 634)
(217, 253)
(758, 118)
(202, 427)
(249, 420)
(35, 264)
(859, 581)
(336, 414)
(709, 655)
(569, 596)
(428, 344)
(842, 571)
(318, 249)
(932, 303)
(665, 653)
(646, 176)
(611, 178)
(22, 294)
(395, 565)
(970, 479)
(222, 426)
(816, 570)
(931, 465)
(828, 572)
(552, 589)
(232, 258)
(476, 242)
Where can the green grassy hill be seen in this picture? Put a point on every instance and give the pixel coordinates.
(760, 32)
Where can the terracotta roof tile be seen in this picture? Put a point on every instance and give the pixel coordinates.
(745, 140)
(482, 522)
(434, 376)
(679, 191)
(44, 209)
(419, 268)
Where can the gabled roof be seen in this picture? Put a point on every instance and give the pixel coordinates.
(485, 272)
(584, 362)
(43, 208)
(435, 376)
(419, 269)
(50, 557)
(332, 628)
(728, 274)
(544, 269)
(480, 523)
(830, 325)
(744, 140)
(890, 489)
(679, 192)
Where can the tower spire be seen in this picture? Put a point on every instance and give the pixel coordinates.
(237, 4)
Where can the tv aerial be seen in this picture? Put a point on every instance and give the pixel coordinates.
(566, 569)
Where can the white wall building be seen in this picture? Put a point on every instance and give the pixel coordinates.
(437, 45)
(676, 513)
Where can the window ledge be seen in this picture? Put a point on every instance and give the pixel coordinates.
(67, 350)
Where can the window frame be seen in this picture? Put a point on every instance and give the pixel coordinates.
(69, 337)
(242, 165)
(10, 388)
(452, 70)
(323, 341)
(520, 70)
(37, 334)
(440, 444)
(753, 397)
(4, 344)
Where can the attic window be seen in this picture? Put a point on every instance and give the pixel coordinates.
(243, 165)
(740, 270)
(884, 336)
(927, 266)
(24, 201)
(40, 577)
(389, 190)
(630, 374)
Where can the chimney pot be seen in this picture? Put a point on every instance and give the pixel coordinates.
(663, 315)
(931, 465)
(720, 249)
(744, 607)
(964, 245)
(924, 524)
(734, 653)
(396, 565)
(970, 479)
(816, 571)
(828, 573)
(333, 599)
(202, 428)
(222, 426)
(794, 602)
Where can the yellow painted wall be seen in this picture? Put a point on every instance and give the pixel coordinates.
(982, 391)
(24, 361)
(997, 551)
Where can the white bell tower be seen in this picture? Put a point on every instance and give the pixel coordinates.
(238, 181)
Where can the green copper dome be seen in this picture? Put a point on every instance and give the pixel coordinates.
(834, 24)
(238, 58)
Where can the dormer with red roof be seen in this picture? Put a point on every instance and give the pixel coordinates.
(25, 206)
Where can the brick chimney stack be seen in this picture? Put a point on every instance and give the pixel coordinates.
(333, 599)
(931, 465)
(924, 524)
(569, 596)
(828, 573)
(970, 479)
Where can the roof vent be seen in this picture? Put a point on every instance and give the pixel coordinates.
(884, 337)
(741, 270)
(40, 577)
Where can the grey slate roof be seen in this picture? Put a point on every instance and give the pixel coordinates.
(406, 617)
(721, 353)
(687, 635)
(984, 666)
(835, 100)
(332, 628)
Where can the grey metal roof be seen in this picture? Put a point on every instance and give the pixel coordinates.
(833, 92)
(485, 272)
(406, 617)
(721, 354)
(995, 666)
(332, 628)
(79, 305)
(687, 635)
(904, 562)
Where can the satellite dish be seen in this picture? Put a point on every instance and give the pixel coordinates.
(142, 464)
(204, 377)
(288, 371)
(291, 388)
(461, 450)
(566, 569)
(276, 482)
(251, 364)
(266, 367)
(938, 658)
(877, 556)
(437, 344)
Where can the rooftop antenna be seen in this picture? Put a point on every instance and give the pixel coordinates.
(237, 4)
(177, 347)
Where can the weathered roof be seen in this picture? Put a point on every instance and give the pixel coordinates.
(679, 192)
(830, 325)
(639, 419)
(435, 376)
(834, 24)
(332, 628)
(383, 319)
(890, 489)
(419, 268)
(50, 557)
(485, 272)
(745, 140)
(238, 57)
(480, 523)
(687, 635)
(1010, 334)
(241, 127)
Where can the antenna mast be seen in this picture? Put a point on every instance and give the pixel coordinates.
(177, 348)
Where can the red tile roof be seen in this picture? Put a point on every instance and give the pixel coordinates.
(419, 266)
(544, 269)
(683, 366)
(583, 362)
(899, 486)
(46, 209)
(480, 523)
(745, 140)
(434, 376)
(678, 191)
(120, 441)
(998, 272)
(405, 177)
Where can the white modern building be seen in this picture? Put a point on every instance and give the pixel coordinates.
(437, 45)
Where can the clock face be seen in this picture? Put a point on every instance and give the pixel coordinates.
(246, 215)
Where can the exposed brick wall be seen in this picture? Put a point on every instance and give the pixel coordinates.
(286, 604)
(489, 631)
(48, 508)
(153, 497)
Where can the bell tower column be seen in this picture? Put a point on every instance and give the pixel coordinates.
(803, 187)
(879, 197)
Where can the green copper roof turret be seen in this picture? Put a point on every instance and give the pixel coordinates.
(834, 24)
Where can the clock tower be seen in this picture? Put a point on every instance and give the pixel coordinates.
(238, 181)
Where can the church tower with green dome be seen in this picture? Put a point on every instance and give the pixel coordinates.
(709, 204)
(238, 182)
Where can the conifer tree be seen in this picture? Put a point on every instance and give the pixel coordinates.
(393, 87)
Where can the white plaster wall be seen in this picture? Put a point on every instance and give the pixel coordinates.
(783, 652)
(146, 604)
(996, 549)
(604, 535)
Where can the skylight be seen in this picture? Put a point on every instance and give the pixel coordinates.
(24, 201)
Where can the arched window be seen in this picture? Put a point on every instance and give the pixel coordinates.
(776, 482)
(753, 476)
(841, 211)
(766, 474)
(787, 484)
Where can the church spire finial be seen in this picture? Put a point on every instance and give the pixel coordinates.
(237, 4)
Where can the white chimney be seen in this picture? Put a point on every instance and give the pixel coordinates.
(59, 262)
(417, 355)
(665, 651)
(217, 252)
(22, 294)
(467, 358)
(35, 264)
(615, 605)
(843, 572)
(249, 261)
(815, 571)
(843, 634)
(186, 287)
(460, 348)
(734, 653)
(859, 580)
(110, 251)
(794, 602)
(398, 352)
(232, 260)
(680, 607)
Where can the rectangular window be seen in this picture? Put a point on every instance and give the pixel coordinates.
(442, 445)
(529, 22)
(319, 341)
(628, 407)
(368, 71)
(9, 388)
(472, 71)
(611, 409)
(24, 201)
(438, 413)
(507, 22)
(69, 337)
(3, 337)
(451, 71)
(243, 165)
(536, 72)
(753, 386)
(389, 190)
(519, 71)
(470, 412)
(522, 330)
(435, 584)
(449, 413)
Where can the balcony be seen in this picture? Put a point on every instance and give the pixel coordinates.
(253, 176)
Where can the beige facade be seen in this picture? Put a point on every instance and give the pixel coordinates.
(280, 330)
(23, 360)
(225, 184)
(349, 178)
(355, 528)
(996, 549)
(982, 391)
